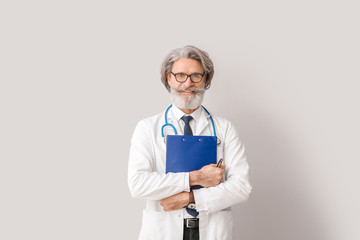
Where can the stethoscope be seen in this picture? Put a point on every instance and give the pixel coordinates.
(173, 127)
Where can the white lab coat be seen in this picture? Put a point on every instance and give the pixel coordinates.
(147, 180)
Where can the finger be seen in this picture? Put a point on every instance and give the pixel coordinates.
(222, 166)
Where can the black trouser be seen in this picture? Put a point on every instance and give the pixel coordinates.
(191, 229)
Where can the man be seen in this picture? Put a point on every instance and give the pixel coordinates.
(174, 210)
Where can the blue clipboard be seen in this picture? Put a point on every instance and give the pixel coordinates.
(189, 153)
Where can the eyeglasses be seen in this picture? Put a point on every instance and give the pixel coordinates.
(182, 77)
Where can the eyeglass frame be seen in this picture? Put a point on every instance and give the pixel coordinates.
(187, 76)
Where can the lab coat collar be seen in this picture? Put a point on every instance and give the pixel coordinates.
(203, 122)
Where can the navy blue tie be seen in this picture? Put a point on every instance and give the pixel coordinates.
(187, 128)
(188, 131)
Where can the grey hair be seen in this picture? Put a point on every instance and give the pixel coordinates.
(187, 52)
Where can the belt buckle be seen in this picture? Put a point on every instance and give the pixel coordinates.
(191, 222)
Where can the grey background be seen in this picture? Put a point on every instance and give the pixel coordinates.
(76, 77)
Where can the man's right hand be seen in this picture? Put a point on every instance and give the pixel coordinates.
(207, 176)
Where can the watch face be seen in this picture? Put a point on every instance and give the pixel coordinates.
(191, 206)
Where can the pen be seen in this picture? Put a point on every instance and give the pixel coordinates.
(219, 163)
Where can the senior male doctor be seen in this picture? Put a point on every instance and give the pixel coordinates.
(174, 210)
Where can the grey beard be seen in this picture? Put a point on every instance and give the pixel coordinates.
(187, 102)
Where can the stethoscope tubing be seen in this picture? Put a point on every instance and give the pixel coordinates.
(172, 126)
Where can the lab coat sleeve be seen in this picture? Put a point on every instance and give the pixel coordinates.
(236, 187)
(143, 179)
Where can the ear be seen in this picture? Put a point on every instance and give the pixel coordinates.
(205, 80)
(168, 76)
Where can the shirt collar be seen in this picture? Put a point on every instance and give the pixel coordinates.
(179, 114)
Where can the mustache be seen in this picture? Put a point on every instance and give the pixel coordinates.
(192, 89)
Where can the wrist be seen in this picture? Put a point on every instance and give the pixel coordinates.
(194, 178)
(191, 197)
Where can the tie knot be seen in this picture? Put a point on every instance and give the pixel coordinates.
(187, 119)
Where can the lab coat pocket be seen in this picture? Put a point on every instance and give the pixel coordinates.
(223, 226)
(153, 225)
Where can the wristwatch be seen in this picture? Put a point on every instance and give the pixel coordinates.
(191, 205)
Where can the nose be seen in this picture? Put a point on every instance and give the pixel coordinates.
(188, 83)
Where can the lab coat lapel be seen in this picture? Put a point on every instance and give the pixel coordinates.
(203, 123)
(172, 119)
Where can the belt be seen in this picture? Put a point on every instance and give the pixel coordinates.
(191, 222)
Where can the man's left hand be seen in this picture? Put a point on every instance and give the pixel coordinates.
(175, 202)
